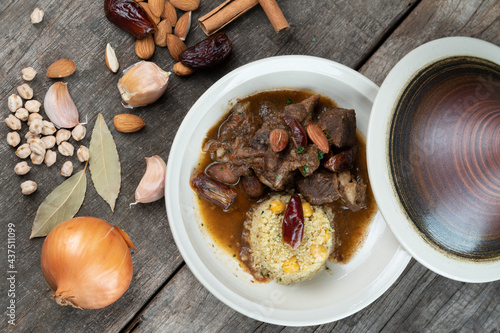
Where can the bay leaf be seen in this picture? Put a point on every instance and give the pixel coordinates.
(104, 162)
(60, 205)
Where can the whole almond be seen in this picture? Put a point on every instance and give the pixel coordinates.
(278, 139)
(111, 60)
(157, 6)
(182, 70)
(169, 13)
(163, 29)
(318, 137)
(145, 47)
(186, 5)
(152, 17)
(182, 26)
(128, 123)
(175, 46)
(61, 68)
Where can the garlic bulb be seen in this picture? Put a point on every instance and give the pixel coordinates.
(143, 83)
(152, 184)
(87, 262)
(59, 106)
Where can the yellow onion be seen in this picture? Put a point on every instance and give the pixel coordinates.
(87, 262)
(143, 83)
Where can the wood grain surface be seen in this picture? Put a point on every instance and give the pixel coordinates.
(369, 36)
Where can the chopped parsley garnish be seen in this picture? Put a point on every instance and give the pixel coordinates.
(228, 150)
(304, 169)
(327, 132)
(225, 140)
(300, 150)
(320, 155)
(288, 102)
(234, 255)
(229, 245)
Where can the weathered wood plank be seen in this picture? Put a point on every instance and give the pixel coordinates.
(432, 20)
(420, 301)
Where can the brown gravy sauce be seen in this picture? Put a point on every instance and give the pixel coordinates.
(226, 227)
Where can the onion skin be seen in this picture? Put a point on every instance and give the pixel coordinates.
(87, 262)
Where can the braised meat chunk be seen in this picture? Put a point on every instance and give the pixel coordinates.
(340, 126)
(243, 149)
(320, 188)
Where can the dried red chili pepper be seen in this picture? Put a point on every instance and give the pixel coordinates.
(299, 135)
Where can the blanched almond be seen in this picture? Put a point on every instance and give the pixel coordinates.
(111, 60)
(61, 68)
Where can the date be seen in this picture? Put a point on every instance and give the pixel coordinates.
(208, 53)
(214, 191)
(299, 136)
(342, 161)
(293, 222)
(128, 15)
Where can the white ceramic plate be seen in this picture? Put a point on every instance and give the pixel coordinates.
(325, 298)
(378, 162)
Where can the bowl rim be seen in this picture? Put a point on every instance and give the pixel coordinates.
(428, 255)
(242, 74)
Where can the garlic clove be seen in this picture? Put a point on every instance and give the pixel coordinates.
(59, 106)
(152, 185)
(143, 83)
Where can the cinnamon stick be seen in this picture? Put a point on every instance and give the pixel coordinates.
(274, 14)
(224, 14)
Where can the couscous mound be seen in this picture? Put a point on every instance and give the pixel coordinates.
(275, 259)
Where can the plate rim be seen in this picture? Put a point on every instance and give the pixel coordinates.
(377, 157)
(368, 89)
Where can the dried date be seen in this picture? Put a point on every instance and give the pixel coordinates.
(293, 222)
(207, 53)
(343, 160)
(214, 191)
(128, 15)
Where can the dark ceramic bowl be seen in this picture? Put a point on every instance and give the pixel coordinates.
(434, 156)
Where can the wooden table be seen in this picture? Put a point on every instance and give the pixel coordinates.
(368, 36)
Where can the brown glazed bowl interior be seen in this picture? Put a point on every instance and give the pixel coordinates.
(434, 156)
(445, 155)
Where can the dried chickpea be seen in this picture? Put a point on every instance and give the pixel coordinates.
(25, 91)
(22, 168)
(28, 73)
(28, 187)
(13, 139)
